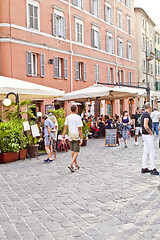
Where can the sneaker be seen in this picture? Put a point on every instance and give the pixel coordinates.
(71, 168)
(77, 167)
(136, 143)
(125, 146)
(46, 160)
(50, 160)
(145, 170)
(154, 172)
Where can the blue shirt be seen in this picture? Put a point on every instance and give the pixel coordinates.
(109, 124)
(49, 123)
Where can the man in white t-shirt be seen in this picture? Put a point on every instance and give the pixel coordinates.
(74, 124)
(155, 115)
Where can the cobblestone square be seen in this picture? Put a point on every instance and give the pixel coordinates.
(107, 199)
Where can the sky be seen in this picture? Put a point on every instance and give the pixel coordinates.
(152, 8)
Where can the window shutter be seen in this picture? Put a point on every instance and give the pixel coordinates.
(98, 72)
(107, 43)
(122, 50)
(95, 71)
(82, 4)
(65, 69)
(54, 19)
(92, 38)
(114, 80)
(131, 53)
(85, 71)
(29, 63)
(109, 74)
(75, 2)
(131, 78)
(127, 51)
(105, 13)
(118, 48)
(120, 79)
(123, 77)
(64, 28)
(99, 43)
(42, 65)
(113, 45)
(91, 7)
(111, 21)
(55, 67)
(98, 8)
(76, 70)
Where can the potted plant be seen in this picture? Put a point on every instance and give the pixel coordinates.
(85, 132)
(10, 144)
(32, 146)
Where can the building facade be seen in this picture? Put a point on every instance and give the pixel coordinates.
(69, 45)
(145, 52)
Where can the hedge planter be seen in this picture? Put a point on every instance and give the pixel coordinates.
(32, 151)
(22, 154)
(8, 157)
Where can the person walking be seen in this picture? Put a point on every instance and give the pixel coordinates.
(74, 124)
(126, 127)
(147, 136)
(137, 124)
(155, 115)
(48, 137)
(55, 132)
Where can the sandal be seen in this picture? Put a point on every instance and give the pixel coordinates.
(77, 167)
(71, 168)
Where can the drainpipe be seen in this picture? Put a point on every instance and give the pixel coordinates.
(115, 44)
(71, 51)
(10, 36)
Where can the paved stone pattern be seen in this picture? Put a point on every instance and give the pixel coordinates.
(107, 199)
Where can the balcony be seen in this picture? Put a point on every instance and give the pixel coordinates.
(150, 56)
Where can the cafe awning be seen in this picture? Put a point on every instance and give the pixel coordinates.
(102, 92)
(26, 90)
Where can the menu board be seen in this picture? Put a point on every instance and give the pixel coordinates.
(111, 137)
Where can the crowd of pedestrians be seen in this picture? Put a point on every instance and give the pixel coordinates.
(143, 123)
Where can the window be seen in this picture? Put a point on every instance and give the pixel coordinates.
(151, 46)
(60, 68)
(120, 48)
(108, 13)
(78, 3)
(128, 3)
(144, 65)
(151, 68)
(158, 69)
(143, 43)
(96, 38)
(94, 7)
(129, 25)
(130, 78)
(33, 61)
(109, 43)
(96, 72)
(80, 71)
(119, 19)
(79, 30)
(120, 1)
(129, 51)
(148, 48)
(111, 75)
(59, 24)
(33, 15)
(143, 22)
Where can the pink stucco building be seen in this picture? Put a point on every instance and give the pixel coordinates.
(69, 45)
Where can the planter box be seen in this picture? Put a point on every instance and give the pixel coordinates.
(32, 151)
(22, 154)
(84, 142)
(8, 157)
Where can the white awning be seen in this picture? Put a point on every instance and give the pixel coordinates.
(102, 92)
(26, 90)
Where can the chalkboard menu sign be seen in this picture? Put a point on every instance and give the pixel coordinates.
(111, 137)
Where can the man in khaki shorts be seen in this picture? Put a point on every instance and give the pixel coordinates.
(74, 124)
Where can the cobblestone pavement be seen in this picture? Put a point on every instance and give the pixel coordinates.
(108, 198)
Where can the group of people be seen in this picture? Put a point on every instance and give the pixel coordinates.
(144, 123)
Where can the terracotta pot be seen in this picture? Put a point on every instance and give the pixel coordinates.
(22, 154)
(32, 151)
(84, 142)
(9, 157)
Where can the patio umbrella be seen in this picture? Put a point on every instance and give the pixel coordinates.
(102, 92)
(26, 90)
